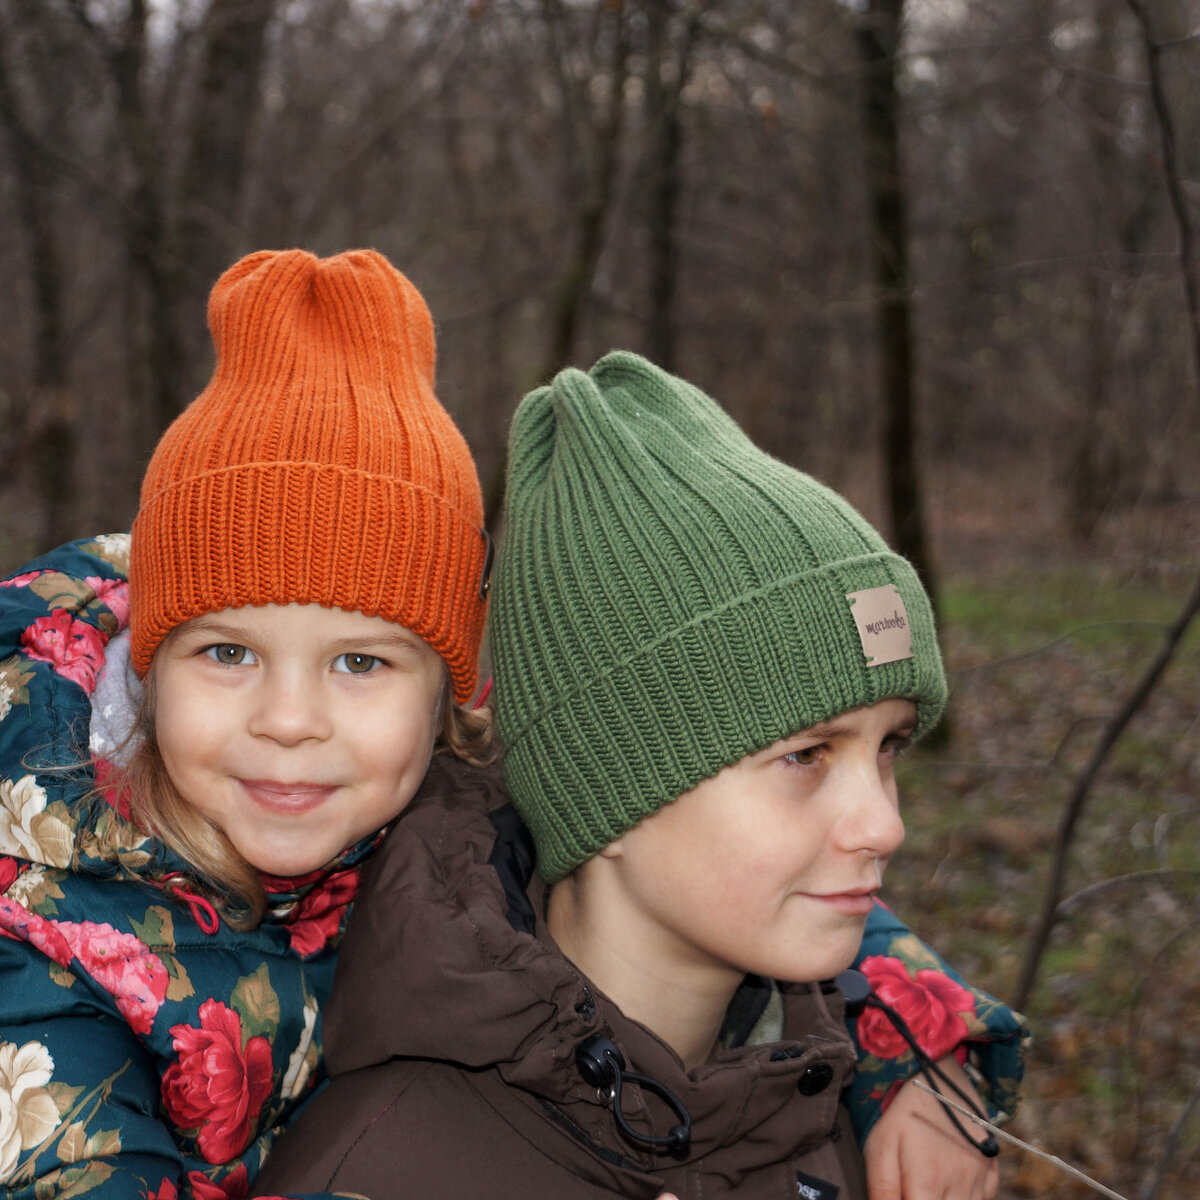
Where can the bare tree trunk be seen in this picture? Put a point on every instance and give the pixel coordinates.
(1094, 469)
(1190, 277)
(601, 171)
(146, 230)
(599, 153)
(47, 433)
(175, 253)
(233, 53)
(878, 36)
(662, 109)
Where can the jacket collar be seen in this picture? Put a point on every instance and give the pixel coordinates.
(437, 965)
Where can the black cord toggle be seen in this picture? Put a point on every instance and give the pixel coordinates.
(603, 1066)
(856, 988)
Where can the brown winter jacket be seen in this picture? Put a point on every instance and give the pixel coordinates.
(452, 1036)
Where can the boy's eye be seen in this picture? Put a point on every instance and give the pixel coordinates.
(895, 744)
(804, 757)
(356, 664)
(230, 654)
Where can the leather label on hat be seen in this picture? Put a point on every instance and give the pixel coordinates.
(882, 624)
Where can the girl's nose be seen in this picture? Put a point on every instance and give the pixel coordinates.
(289, 710)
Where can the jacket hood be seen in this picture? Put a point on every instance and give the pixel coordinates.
(441, 963)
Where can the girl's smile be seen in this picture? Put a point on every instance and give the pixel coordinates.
(286, 797)
(297, 730)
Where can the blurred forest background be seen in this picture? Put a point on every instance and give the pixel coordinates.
(937, 252)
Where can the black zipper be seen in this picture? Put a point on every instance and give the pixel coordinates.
(609, 1156)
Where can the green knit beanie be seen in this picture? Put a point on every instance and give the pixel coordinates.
(668, 599)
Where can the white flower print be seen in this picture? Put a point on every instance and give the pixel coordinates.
(113, 548)
(27, 830)
(303, 1058)
(27, 886)
(28, 1114)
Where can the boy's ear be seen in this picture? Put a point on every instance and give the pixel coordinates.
(614, 849)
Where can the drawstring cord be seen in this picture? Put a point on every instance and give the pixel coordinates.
(859, 995)
(203, 913)
(603, 1066)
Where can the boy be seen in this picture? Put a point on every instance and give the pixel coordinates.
(705, 664)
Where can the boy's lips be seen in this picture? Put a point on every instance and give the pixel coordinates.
(286, 797)
(857, 902)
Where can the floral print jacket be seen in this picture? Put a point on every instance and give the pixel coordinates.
(148, 1050)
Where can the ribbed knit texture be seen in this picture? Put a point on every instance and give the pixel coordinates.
(667, 599)
(317, 466)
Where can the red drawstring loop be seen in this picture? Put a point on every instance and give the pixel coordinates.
(481, 699)
(203, 913)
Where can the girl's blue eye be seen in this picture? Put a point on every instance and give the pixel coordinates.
(231, 654)
(356, 664)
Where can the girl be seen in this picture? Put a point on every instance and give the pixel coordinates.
(306, 597)
(705, 664)
(307, 575)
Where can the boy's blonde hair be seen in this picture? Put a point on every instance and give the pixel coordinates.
(220, 874)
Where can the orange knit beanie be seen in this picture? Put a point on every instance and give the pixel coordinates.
(317, 466)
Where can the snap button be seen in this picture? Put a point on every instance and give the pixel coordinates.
(815, 1079)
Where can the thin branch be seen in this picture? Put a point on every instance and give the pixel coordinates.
(1083, 785)
(1172, 1144)
(1084, 895)
(1053, 1160)
(1166, 128)
(1120, 719)
(992, 664)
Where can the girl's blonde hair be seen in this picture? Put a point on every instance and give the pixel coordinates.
(220, 874)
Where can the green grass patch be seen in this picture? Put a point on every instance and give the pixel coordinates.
(1085, 603)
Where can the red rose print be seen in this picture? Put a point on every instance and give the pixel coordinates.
(113, 594)
(8, 873)
(275, 884)
(930, 1005)
(21, 580)
(72, 647)
(109, 785)
(165, 1191)
(234, 1186)
(25, 926)
(218, 1086)
(315, 919)
(123, 966)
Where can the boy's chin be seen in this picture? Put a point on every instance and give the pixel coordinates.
(817, 968)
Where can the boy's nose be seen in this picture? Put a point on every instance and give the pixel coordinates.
(873, 822)
(290, 710)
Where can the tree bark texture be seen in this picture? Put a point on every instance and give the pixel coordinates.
(878, 36)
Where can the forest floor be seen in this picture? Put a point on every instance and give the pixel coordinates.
(1043, 641)
(1042, 644)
